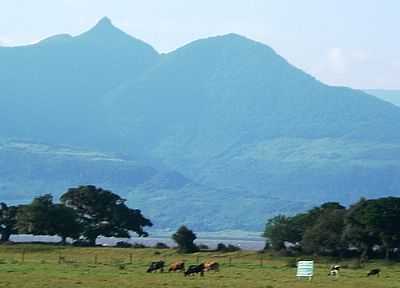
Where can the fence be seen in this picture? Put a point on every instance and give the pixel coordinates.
(117, 256)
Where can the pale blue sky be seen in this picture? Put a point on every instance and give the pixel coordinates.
(342, 42)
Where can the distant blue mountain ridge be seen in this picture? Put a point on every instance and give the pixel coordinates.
(219, 134)
(392, 96)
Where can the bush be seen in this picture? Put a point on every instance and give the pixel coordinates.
(82, 243)
(203, 247)
(161, 245)
(139, 246)
(291, 262)
(184, 237)
(122, 244)
(221, 247)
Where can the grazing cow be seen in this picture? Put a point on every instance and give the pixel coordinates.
(211, 266)
(374, 272)
(195, 269)
(156, 265)
(177, 266)
(334, 270)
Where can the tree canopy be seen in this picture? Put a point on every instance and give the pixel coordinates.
(101, 212)
(43, 217)
(8, 221)
(185, 237)
(331, 228)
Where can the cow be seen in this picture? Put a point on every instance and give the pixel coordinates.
(334, 270)
(211, 266)
(177, 266)
(156, 265)
(195, 269)
(374, 272)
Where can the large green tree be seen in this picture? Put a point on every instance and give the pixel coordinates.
(325, 235)
(43, 217)
(374, 222)
(36, 217)
(103, 213)
(279, 230)
(66, 222)
(8, 221)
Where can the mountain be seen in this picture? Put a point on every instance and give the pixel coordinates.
(392, 96)
(53, 90)
(234, 113)
(221, 133)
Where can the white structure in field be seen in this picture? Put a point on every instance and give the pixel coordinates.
(305, 269)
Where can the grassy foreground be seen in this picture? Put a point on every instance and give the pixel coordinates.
(59, 267)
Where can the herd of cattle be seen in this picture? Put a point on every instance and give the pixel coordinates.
(180, 267)
(214, 266)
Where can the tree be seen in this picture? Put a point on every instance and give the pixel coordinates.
(101, 212)
(36, 218)
(65, 223)
(185, 237)
(8, 221)
(374, 222)
(43, 217)
(279, 230)
(325, 236)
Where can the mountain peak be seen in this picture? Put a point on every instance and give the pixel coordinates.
(104, 27)
(104, 22)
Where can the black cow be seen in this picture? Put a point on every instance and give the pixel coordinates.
(374, 272)
(156, 265)
(195, 269)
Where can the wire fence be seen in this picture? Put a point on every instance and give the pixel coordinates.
(121, 256)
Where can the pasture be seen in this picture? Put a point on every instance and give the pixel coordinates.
(59, 267)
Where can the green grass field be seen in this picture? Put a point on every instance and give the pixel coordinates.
(38, 266)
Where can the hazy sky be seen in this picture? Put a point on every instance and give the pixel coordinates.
(342, 42)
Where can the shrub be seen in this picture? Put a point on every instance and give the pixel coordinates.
(82, 243)
(221, 247)
(139, 246)
(203, 247)
(184, 237)
(161, 245)
(122, 244)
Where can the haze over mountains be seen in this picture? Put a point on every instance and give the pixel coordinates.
(219, 134)
(392, 96)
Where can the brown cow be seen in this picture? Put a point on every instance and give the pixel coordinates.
(177, 266)
(211, 266)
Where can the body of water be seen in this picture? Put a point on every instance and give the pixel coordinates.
(251, 243)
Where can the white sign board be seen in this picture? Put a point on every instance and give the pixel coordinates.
(305, 269)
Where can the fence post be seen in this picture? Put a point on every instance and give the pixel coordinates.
(230, 260)
(95, 259)
(130, 258)
(197, 259)
(261, 260)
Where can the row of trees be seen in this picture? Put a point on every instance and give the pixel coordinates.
(84, 213)
(333, 229)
